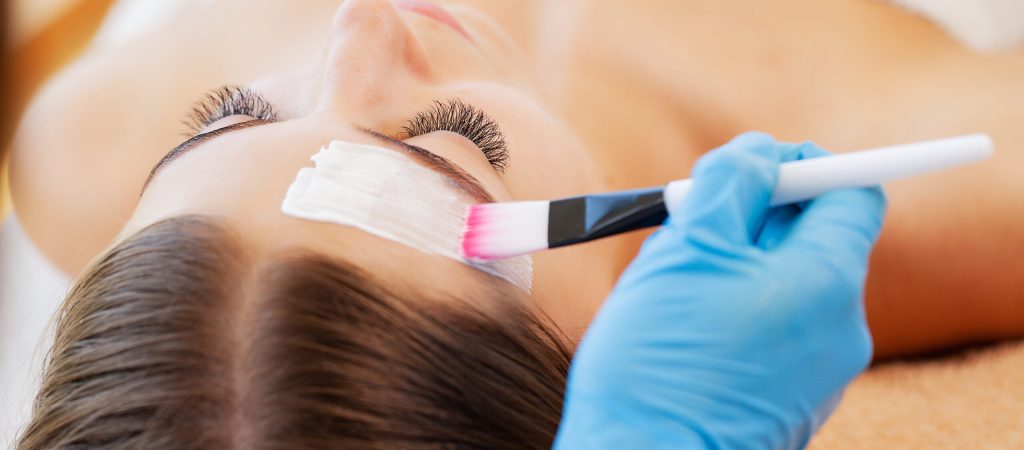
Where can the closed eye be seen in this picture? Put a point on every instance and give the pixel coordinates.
(460, 117)
(225, 102)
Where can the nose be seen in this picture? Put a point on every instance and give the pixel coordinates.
(372, 51)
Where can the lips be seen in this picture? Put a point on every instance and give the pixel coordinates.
(432, 11)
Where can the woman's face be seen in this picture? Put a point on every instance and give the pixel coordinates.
(385, 64)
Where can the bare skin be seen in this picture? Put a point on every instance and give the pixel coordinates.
(648, 90)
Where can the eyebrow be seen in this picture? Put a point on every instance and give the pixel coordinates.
(196, 141)
(460, 179)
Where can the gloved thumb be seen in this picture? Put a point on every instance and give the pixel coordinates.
(732, 186)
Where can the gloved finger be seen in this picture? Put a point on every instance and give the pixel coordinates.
(841, 225)
(844, 223)
(731, 189)
(777, 224)
(779, 220)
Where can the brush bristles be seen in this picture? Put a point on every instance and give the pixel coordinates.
(502, 230)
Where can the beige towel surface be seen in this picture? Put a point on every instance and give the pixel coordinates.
(973, 400)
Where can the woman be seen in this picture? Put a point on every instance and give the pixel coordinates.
(207, 243)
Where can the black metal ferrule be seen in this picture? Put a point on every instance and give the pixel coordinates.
(581, 219)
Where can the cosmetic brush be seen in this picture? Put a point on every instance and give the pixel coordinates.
(502, 230)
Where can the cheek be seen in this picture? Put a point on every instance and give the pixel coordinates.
(551, 171)
(496, 43)
(294, 91)
(547, 161)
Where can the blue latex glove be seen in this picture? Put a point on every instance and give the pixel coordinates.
(737, 326)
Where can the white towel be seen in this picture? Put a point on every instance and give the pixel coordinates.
(984, 25)
(31, 289)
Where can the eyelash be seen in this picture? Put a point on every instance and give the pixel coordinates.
(462, 118)
(451, 115)
(226, 102)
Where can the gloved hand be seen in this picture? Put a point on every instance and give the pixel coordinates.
(737, 326)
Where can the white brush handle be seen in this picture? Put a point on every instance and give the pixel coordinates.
(805, 179)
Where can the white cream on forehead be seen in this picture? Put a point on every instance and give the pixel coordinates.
(387, 194)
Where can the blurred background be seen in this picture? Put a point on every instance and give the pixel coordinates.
(39, 36)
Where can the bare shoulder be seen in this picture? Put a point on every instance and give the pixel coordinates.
(67, 188)
(947, 270)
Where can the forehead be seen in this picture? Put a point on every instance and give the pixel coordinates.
(243, 180)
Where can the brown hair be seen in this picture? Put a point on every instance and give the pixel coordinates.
(173, 340)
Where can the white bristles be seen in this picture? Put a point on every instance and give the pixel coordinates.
(502, 230)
